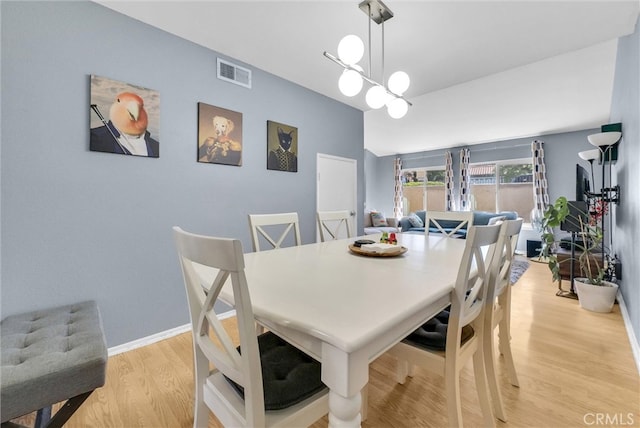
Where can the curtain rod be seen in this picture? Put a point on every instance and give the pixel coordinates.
(465, 147)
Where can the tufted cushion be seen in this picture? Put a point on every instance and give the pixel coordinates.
(289, 376)
(433, 334)
(415, 220)
(49, 356)
(378, 220)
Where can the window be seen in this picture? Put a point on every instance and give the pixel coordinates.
(503, 186)
(423, 189)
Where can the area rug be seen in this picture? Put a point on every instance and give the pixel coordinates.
(518, 267)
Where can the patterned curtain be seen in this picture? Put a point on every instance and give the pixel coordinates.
(464, 179)
(448, 182)
(397, 191)
(540, 188)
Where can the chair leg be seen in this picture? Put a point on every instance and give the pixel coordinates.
(452, 390)
(490, 364)
(482, 387)
(505, 347)
(402, 370)
(200, 409)
(504, 337)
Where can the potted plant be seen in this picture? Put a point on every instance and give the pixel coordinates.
(595, 293)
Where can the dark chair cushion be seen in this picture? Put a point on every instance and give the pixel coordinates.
(289, 376)
(433, 334)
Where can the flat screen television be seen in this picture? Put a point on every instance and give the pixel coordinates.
(582, 183)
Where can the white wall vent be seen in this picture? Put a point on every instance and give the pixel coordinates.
(234, 73)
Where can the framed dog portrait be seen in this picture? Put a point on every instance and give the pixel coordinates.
(282, 147)
(124, 118)
(219, 135)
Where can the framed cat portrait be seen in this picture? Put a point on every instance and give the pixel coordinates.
(282, 147)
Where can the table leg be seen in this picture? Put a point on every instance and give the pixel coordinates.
(345, 374)
(344, 411)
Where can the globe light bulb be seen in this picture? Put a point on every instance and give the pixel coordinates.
(350, 83)
(397, 108)
(350, 49)
(376, 97)
(399, 82)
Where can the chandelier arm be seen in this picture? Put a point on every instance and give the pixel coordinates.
(365, 77)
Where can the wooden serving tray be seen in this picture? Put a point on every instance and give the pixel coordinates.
(357, 250)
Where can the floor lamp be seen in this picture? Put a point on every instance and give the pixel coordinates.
(605, 142)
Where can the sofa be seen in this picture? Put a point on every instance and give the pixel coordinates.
(370, 229)
(480, 218)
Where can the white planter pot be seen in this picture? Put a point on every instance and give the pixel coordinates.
(596, 298)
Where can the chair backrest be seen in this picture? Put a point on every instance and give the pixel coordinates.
(452, 220)
(259, 222)
(508, 240)
(331, 224)
(474, 274)
(211, 342)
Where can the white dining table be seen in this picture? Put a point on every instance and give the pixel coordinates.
(345, 309)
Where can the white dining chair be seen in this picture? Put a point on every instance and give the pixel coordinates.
(334, 225)
(498, 315)
(446, 342)
(270, 383)
(448, 223)
(268, 225)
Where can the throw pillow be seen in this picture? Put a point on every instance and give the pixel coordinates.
(378, 220)
(415, 220)
(495, 220)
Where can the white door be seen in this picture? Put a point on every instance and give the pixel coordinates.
(337, 184)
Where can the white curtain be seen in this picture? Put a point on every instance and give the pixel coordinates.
(540, 188)
(397, 191)
(464, 179)
(448, 182)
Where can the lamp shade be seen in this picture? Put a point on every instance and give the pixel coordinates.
(399, 82)
(397, 108)
(589, 155)
(604, 138)
(350, 83)
(376, 97)
(350, 49)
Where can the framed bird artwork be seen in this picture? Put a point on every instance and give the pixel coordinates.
(125, 118)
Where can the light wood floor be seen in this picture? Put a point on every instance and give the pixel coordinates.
(574, 366)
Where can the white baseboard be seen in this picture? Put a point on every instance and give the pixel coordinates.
(144, 341)
(635, 347)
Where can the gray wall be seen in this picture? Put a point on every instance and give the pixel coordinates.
(87, 225)
(625, 108)
(561, 156)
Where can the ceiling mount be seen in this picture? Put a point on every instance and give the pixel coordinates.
(376, 10)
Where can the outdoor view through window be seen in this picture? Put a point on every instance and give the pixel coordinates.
(496, 186)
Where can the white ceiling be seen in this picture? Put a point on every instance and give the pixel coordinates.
(480, 71)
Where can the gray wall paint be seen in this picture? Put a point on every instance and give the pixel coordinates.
(86, 225)
(625, 108)
(560, 156)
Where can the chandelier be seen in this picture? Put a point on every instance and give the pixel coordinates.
(351, 50)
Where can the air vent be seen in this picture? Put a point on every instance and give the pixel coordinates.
(234, 73)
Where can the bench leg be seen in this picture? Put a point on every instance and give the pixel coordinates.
(42, 417)
(68, 409)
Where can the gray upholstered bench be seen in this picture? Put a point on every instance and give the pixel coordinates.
(49, 356)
